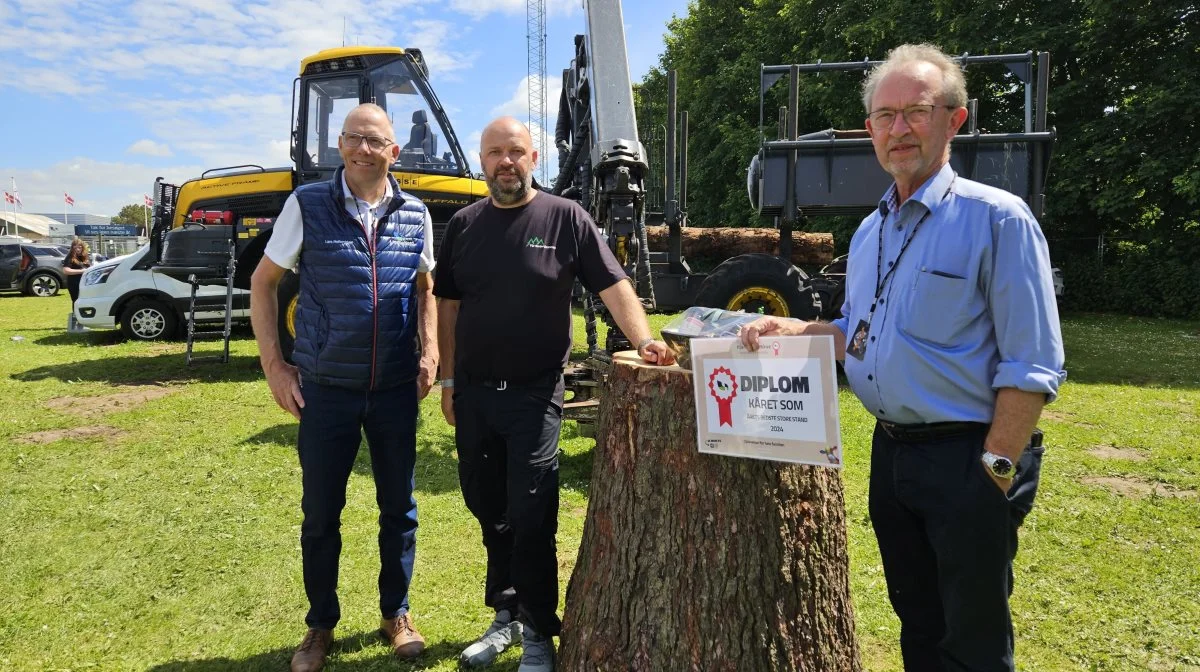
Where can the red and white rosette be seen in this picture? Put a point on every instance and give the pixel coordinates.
(722, 385)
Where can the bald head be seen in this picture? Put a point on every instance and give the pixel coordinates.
(372, 114)
(508, 158)
(504, 127)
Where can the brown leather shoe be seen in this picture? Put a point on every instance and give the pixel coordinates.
(310, 657)
(405, 640)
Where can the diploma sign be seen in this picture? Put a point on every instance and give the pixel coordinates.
(779, 403)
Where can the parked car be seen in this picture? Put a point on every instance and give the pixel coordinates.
(94, 257)
(10, 261)
(30, 268)
(123, 293)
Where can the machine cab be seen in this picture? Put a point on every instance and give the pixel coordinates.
(334, 81)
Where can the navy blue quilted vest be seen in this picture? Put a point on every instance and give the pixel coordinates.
(356, 319)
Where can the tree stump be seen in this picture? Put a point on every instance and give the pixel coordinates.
(702, 562)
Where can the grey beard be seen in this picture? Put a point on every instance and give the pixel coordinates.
(512, 196)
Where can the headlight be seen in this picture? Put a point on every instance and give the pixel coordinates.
(98, 275)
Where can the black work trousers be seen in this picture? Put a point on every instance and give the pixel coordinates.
(948, 536)
(507, 443)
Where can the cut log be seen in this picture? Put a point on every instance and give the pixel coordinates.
(702, 562)
(810, 251)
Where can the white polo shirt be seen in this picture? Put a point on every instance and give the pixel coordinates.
(288, 232)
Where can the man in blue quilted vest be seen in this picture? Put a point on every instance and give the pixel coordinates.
(365, 354)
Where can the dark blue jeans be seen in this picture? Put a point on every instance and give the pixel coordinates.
(948, 536)
(331, 428)
(508, 469)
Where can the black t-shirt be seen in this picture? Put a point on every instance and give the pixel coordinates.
(512, 269)
(74, 265)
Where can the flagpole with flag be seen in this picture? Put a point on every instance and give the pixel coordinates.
(146, 214)
(67, 200)
(16, 200)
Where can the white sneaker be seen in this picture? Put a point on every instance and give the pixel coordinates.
(501, 634)
(537, 653)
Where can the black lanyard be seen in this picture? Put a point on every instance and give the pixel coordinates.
(369, 223)
(881, 280)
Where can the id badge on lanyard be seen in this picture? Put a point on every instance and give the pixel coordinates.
(857, 346)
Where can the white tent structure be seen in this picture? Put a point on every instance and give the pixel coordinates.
(33, 227)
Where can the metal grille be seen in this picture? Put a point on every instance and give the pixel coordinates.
(653, 141)
(164, 204)
(258, 204)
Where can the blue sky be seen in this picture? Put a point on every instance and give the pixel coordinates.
(98, 98)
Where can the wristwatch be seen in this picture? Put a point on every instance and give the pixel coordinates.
(447, 382)
(1000, 466)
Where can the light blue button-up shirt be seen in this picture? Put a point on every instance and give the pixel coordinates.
(969, 309)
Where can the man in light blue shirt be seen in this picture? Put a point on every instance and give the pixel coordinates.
(951, 339)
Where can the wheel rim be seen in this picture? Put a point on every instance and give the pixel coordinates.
(147, 323)
(761, 300)
(43, 285)
(290, 321)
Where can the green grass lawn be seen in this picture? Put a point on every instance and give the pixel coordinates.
(151, 513)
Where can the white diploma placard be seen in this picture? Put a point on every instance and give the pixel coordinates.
(779, 403)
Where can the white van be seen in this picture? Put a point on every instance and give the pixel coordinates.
(146, 306)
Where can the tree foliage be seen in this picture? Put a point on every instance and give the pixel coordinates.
(1123, 99)
(134, 213)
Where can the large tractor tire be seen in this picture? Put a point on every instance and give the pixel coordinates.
(760, 283)
(288, 294)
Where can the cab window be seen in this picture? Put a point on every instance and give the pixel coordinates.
(419, 133)
(329, 101)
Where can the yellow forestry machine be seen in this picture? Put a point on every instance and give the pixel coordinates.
(212, 230)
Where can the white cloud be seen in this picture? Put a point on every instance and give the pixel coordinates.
(481, 8)
(207, 61)
(228, 130)
(518, 106)
(40, 80)
(209, 82)
(471, 148)
(149, 148)
(431, 37)
(98, 187)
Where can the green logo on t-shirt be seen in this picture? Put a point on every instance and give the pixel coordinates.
(536, 241)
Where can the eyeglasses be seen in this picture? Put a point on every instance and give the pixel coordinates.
(375, 142)
(914, 115)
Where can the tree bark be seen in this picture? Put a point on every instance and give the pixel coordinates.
(809, 250)
(702, 562)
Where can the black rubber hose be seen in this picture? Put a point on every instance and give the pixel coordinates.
(644, 282)
(564, 175)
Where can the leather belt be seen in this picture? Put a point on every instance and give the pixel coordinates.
(931, 430)
(546, 379)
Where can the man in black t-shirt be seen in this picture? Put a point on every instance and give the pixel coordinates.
(503, 281)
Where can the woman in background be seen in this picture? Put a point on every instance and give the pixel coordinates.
(74, 264)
